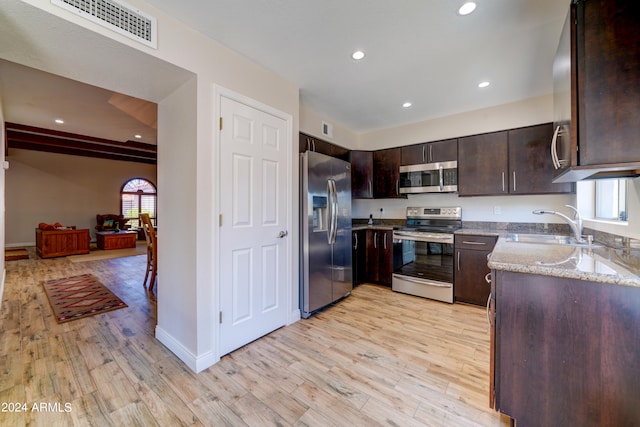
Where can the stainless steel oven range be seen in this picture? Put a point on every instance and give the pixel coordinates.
(423, 251)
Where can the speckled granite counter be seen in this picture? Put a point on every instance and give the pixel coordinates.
(597, 264)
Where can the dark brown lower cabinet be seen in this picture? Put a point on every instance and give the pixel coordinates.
(471, 252)
(379, 256)
(359, 256)
(566, 351)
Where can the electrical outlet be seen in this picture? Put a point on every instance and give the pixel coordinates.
(497, 210)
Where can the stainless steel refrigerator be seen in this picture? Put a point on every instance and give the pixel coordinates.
(325, 221)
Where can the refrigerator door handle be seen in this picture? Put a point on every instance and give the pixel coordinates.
(333, 211)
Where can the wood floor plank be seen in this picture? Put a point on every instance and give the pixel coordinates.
(375, 358)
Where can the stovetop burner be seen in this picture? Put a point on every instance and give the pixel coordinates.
(441, 220)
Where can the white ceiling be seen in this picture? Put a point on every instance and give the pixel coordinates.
(420, 51)
(417, 50)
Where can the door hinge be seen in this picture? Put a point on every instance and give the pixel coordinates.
(220, 317)
(220, 123)
(220, 220)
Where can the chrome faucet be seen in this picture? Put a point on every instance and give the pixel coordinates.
(575, 224)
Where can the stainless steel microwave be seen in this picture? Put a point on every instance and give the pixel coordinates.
(429, 178)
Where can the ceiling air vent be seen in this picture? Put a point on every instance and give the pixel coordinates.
(117, 16)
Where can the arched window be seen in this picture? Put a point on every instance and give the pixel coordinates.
(138, 196)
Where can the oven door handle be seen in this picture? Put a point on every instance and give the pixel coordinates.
(418, 237)
(424, 282)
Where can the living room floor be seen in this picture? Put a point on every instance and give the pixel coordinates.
(375, 358)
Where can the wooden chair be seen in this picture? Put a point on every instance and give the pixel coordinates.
(152, 258)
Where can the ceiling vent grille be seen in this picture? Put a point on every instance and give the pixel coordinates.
(117, 16)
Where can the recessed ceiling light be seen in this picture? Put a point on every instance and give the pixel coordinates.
(406, 105)
(467, 8)
(137, 136)
(483, 84)
(59, 121)
(357, 55)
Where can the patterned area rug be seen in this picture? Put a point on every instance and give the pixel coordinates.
(16, 253)
(80, 296)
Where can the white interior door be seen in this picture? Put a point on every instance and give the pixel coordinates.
(253, 233)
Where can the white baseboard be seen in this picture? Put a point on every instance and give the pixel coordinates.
(193, 362)
(294, 316)
(4, 276)
(19, 245)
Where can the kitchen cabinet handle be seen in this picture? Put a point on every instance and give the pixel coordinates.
(398, 187)
(375, 240)
(370, 188)
(430, 153)
(554, 149)
(423, 150)
(356, 245)
(474, 243)
(384, 241)
(489, 310)
(514, 181)
(458, 262)
(503, 188)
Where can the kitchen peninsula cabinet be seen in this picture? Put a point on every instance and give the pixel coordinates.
(379, 256)
(310, 143)
(429, 152)
(565, 351)
(386, 174)
(362, 174)
(597, 98)
(471, 268)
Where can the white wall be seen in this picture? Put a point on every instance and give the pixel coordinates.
(49, 187)
(311, 124)
(180, 76)
(517, 114)
(2, 199)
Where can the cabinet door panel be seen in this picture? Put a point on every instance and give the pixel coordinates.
(530, 166)
(362, 174)
(443, 151)
(386, 167)
(608, 60)
(483, 164)
(413, 154)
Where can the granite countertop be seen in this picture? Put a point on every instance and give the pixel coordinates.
(618, 266)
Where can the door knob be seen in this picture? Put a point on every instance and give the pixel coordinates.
(283, 234)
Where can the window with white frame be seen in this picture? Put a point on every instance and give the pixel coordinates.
(138, 196)
(610, 196)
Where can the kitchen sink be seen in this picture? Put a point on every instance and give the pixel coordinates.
(549, 239)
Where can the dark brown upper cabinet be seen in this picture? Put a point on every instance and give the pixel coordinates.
(386, 174)
(312, 143)
(430, 152)
(483, 164)
(508, 162)
(362, 174)
(597, 98)
(530, 171)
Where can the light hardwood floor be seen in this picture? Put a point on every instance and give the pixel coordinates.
(376, 358)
